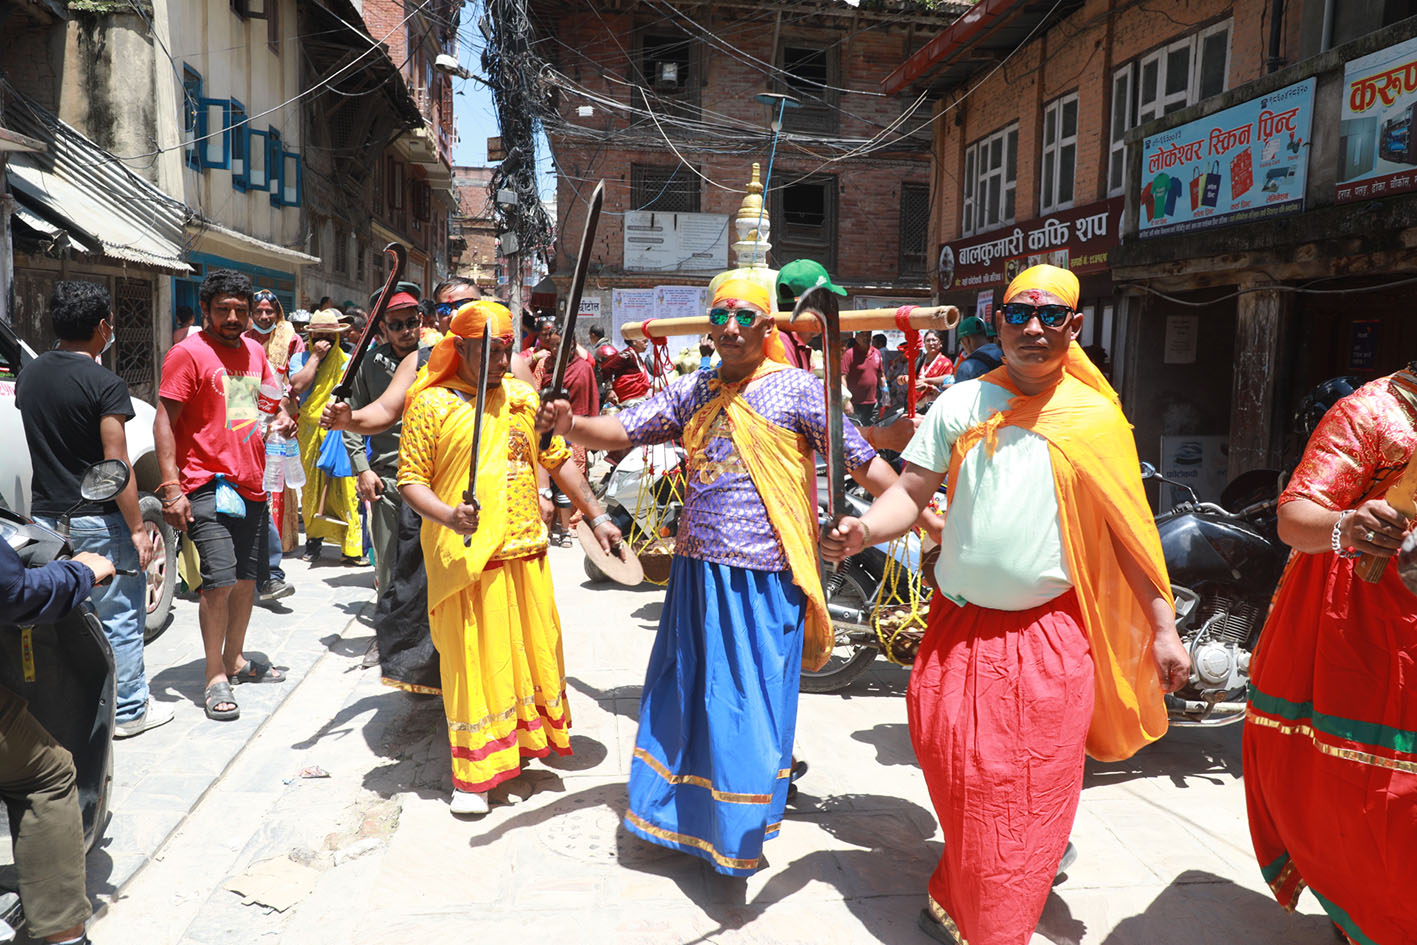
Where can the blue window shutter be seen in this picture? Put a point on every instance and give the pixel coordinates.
(238, 128)
(257, 168)
(275, 170)
(214, 119)
(293, 175)
(192, 116)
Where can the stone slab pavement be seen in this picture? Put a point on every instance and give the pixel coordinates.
(160, 776)
(372, 854)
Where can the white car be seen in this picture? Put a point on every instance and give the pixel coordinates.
(15, 475)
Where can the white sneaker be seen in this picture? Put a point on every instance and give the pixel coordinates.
(466, 802)
(155, 714)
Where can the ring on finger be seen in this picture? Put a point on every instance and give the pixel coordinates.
(1370, 535)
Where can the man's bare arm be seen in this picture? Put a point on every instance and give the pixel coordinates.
(383, 413)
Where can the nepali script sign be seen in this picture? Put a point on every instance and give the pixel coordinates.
(1376, 151)
(1244, 163)
(1077, 239)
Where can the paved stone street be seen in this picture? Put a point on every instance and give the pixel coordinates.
(371, 853)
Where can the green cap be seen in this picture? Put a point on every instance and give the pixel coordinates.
(973, 325)
(800, 275)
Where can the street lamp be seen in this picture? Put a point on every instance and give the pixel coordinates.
(782, 101)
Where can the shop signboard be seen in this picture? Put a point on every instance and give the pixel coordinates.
(1078, 239)
(1377, 154)
(1244, 163)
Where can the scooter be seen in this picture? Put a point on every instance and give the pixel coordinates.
(65, 672)
(1224, 567)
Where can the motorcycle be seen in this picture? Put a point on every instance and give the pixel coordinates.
(1224, 566)
(65, 672)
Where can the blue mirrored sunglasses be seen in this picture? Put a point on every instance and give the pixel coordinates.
(745, 317)
(1020, 313)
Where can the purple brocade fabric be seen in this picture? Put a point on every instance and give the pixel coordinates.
(724, 520)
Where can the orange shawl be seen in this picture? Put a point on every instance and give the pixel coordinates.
(1100, 499)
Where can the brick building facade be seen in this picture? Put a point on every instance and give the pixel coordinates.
(850, 180)
(473, 232)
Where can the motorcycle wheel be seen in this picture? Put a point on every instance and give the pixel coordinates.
(848, 661)
(162, 571)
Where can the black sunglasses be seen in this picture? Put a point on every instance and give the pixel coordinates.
(409, 323)
(1020, 313)
(718, 317)
(264, 295)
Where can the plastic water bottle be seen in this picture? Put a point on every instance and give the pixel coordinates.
(294, 472)
(274, 479)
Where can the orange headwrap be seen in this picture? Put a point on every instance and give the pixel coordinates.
(755, 293)
(471, 320)
(1045, 278)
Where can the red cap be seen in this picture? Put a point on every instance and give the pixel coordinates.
(402, 300)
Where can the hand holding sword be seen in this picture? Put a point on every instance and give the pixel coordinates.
(465, 515)
(824, 305)
(557, 388)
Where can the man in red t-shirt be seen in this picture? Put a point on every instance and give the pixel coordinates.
(208, 436)
(861, 368)
(629, 380)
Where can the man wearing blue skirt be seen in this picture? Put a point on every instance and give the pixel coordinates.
(745, 607)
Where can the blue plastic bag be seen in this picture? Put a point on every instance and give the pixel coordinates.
(334, 458)
(228, 500)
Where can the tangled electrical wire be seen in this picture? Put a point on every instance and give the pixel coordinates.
(512, 70)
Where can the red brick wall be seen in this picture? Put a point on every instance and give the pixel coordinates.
(868, 189)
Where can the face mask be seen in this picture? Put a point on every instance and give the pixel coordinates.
(265, 331)
(107, 344)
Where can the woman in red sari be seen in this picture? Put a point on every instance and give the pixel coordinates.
(933, 372)
(1330, 751)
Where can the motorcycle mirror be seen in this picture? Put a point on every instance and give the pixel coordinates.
(104, 480)
(1148, 471)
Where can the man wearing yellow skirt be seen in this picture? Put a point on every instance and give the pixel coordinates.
(326, 500)
(490, 606)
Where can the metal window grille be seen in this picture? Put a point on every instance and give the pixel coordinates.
(664, 188)
(914, 225)
(133, 345)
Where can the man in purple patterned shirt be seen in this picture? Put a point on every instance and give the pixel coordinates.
(744, 609)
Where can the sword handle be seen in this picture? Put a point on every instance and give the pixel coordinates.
(471, 499)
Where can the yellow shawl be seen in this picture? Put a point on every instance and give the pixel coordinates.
(780, 465)
(1100, 497)
(327, 375)
(451, 567)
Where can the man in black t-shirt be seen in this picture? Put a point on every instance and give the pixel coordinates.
(73, 411)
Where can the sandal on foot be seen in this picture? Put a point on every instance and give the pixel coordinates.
(256, 672)
(217, 694)
(936, 929)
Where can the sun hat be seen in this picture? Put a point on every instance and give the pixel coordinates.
(327, 320)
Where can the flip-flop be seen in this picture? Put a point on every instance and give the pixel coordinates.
(216, 694)
(256, 672)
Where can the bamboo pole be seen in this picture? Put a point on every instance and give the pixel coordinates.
(938, 317)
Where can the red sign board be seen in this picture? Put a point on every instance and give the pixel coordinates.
(1077, 239)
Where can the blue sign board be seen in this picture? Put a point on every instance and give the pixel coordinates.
(1244, 163)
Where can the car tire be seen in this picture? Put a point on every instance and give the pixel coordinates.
(161, 572)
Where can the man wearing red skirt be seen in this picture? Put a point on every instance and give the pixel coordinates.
(1053, 635)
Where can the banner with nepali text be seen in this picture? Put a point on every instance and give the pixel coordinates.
(1376, 152)
(1243, 163)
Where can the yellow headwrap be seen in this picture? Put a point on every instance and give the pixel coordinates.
(755, 293)
(471, 320)
(1045, 278)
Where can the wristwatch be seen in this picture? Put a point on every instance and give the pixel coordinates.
(599, 520)
(545, 493)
